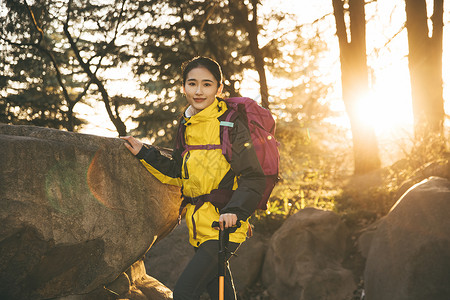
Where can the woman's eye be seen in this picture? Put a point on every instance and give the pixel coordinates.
(191, 84)
(207, 84)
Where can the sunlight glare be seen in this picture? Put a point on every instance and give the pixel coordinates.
(387, 107)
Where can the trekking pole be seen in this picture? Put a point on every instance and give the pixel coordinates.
(224, 237)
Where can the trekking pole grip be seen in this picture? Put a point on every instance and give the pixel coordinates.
(216, 224)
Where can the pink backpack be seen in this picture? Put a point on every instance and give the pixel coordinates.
(262, 130)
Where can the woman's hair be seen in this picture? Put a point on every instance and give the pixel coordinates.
(202, 62)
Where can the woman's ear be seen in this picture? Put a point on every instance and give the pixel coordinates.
(219, 90)
(183, 90)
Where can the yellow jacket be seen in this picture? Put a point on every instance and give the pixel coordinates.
(200, 172)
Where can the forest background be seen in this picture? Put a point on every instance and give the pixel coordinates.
(358, 88)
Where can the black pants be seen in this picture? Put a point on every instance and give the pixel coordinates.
(201, 274)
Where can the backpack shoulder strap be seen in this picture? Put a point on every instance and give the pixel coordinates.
(180, 142)
(227, 122)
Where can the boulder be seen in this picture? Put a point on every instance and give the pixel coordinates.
(76, 212)
(134, 284)
(409, 255)
(143, 286)
(365, 237)
(304, 258)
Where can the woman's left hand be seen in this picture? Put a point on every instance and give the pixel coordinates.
(132, 144)
(227, 221)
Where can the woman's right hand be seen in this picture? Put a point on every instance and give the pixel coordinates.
(132, 144)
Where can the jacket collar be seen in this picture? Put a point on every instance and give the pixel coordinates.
(216, 109)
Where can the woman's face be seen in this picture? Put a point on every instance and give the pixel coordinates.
(201, 88)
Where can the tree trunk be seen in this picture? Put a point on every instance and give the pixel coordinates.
(114, 117)
(241, 13)
(355, 83)
(425, 67)
(257, 54)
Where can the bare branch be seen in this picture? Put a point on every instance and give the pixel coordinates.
(30, 13)
(120, 126)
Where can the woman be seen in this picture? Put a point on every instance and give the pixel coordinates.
(212, 188)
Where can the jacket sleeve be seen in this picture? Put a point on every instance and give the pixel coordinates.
(165, 169)
(251, 178)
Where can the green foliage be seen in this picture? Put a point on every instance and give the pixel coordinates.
(311, 171)
(362, 206)
(39, 54)
(29, 90)
(367, 198)
(34, 107)
(427, 147)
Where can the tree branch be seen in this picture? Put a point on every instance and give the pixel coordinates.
(120, 126)
(52, 59)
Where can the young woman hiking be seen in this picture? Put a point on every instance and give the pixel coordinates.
(213, 189)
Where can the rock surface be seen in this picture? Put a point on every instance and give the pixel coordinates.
(76, 211)
(409, 255)
(304, 258)
(143, 286)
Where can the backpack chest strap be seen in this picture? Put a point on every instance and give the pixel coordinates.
(226, 125)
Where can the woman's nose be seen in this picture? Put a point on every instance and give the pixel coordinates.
(199, 90)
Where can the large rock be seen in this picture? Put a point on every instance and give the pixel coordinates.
(133, 284)
(409, 255)
(143, 286)
(304, 259)
(75, 212)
